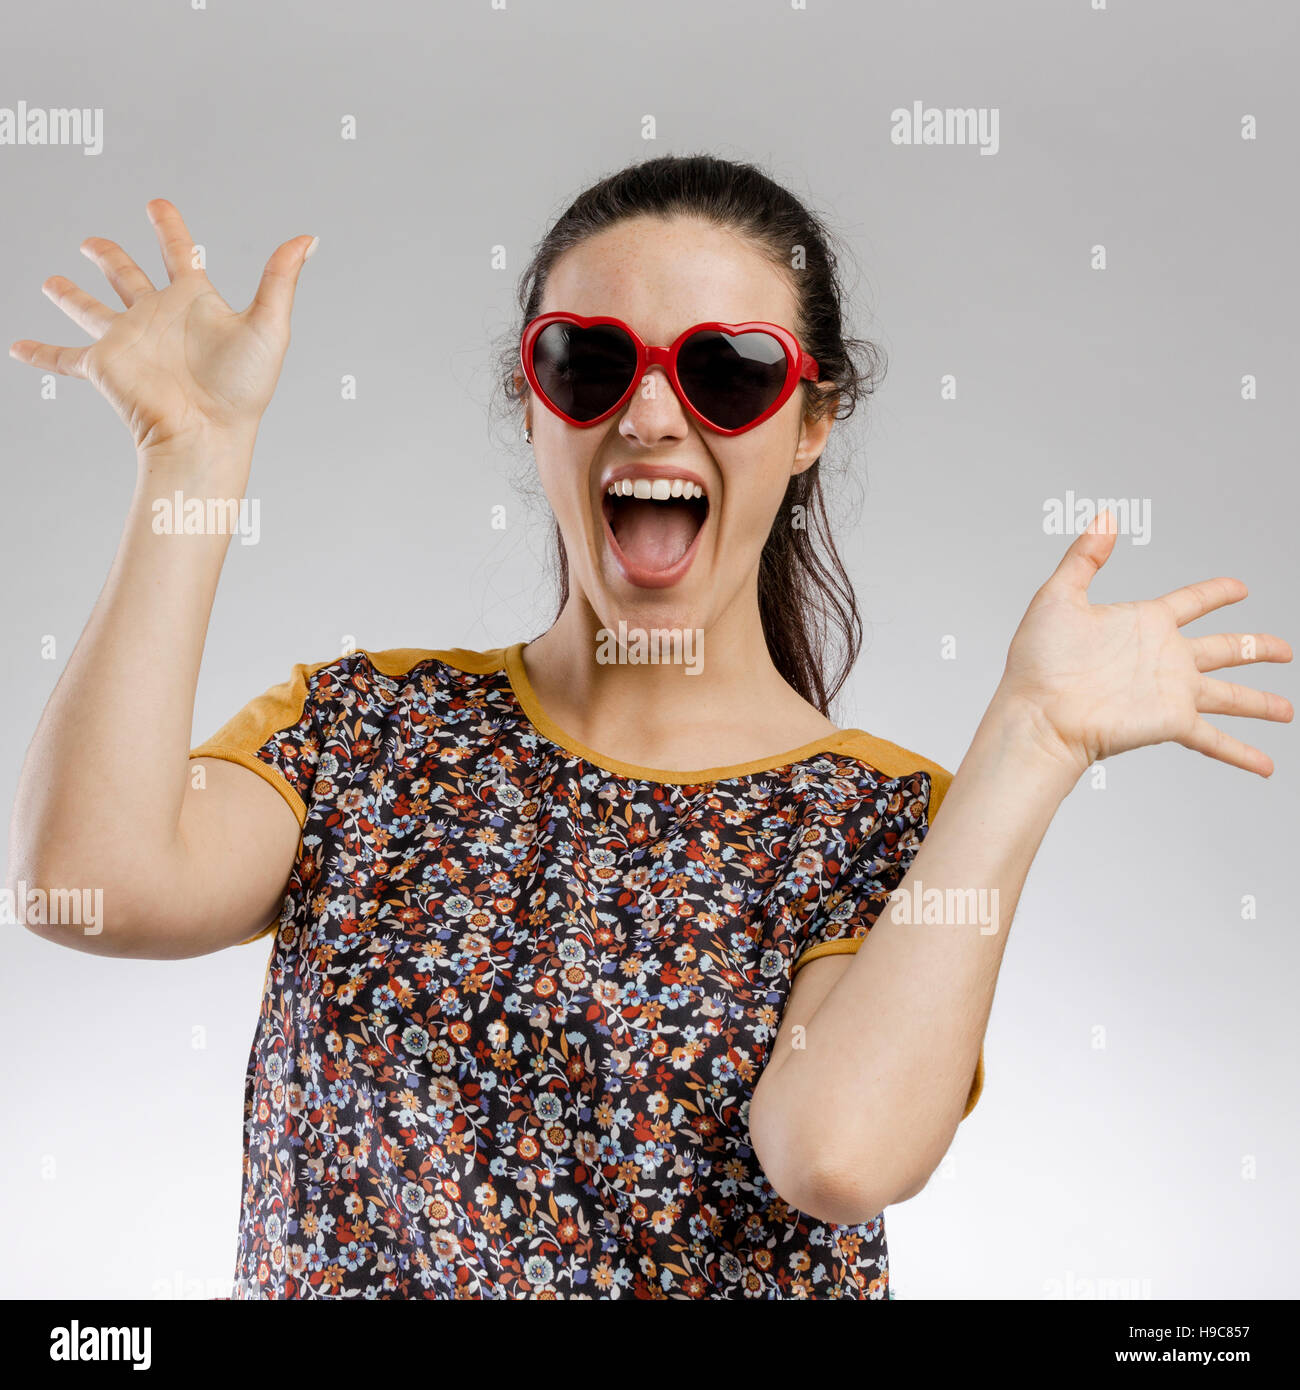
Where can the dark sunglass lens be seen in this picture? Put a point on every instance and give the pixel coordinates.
(583, 371)
(731, 380)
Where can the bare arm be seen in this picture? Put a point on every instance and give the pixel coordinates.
(859, 1115)
(926, 991)
(105, 799)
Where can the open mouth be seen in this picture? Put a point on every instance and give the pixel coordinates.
(654, 524)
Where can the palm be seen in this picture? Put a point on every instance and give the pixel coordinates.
(1104, 678)
(178, 362)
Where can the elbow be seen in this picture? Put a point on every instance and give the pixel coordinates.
(63, 904)
(847, 1195)
(829, 1198)
(838, 1180)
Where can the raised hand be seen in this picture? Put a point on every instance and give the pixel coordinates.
(1103, 678)
(179, 365)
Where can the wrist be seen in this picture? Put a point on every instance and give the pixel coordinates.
(215, 464)
(1015, 731)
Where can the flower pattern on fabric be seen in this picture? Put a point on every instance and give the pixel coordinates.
(516, 1006)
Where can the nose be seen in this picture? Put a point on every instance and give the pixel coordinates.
(654, 415)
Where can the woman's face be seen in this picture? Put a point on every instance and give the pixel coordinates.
(661, 277)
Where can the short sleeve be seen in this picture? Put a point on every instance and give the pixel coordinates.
(281, 734)
(878, 850)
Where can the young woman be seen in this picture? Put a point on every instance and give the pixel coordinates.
(581, 980)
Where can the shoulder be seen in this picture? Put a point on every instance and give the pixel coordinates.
(379, 675)
(397, 684)
(317, 694)
(404, 661)
(333, 713)
(894, 761)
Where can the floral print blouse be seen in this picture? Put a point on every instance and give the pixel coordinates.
(519, 994)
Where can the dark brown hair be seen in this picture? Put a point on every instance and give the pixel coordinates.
(806, 601)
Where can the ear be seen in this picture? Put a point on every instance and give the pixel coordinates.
(521, 387)
(815, 431)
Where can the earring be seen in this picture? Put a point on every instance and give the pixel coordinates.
(528, 435)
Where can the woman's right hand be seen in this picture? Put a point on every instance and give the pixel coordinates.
(179, 365)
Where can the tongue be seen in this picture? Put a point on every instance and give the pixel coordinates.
(654, 534)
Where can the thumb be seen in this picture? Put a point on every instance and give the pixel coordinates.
(1088, 552)
(273, 302)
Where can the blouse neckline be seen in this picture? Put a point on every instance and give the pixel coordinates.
(839, 741)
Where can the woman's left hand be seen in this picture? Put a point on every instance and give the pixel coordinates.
(1100, 678)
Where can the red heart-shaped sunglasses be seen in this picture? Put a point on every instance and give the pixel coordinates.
(730, 376)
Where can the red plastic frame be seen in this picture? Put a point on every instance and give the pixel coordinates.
(799, 365)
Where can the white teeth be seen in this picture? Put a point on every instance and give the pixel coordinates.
(656, 489)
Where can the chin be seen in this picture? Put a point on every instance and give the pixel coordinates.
(638, 639)
(640, 614)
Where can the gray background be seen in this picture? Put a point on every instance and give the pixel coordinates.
(122, 1138)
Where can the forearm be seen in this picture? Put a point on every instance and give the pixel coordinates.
(882, 1078)
(105, 775)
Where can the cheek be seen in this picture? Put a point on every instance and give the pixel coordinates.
(755, 482)
(751, 523)
(564, 478)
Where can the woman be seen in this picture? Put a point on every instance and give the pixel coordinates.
(574, 989)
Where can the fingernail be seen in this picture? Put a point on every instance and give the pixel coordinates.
(311, 250)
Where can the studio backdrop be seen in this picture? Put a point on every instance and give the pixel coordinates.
(1070, 227)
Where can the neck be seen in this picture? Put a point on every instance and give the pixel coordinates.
(725, 697)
